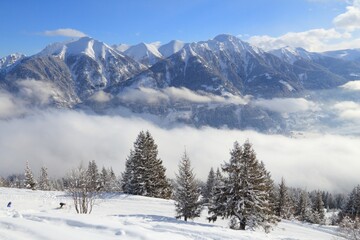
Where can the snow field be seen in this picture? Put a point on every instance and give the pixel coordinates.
(36, 215)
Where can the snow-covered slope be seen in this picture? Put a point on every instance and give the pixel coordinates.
(170, 48)
(346, 54)
(10, 60)
(36, 215)
(292, 55)
(121, 47)
(92, 65)
(145, 53)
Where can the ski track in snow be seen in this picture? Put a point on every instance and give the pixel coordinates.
(35, 215)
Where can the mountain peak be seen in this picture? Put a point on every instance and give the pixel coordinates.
(85, 45)
(10, 59)
(226, 38)
(146, 53)
(171, 47)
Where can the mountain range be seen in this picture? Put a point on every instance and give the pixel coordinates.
(206, 83)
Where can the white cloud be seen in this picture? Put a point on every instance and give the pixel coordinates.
(286, 105)
(65, 32)
(38, 92)
(62, 139)
(101, 97)
(10, 106)
(340, 36)
(350, 20)
(153, 96)
(352, 85)
(348, 110)
(316, 40)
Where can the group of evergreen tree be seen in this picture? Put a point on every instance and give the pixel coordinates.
(104, 181)
(241, 189)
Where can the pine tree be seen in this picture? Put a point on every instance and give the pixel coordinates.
(210, 184)
(318, 209)
(283, 205)
(352, 207)
(245, 192)
(144, 173)
(128, 183)
(104, 180)
(113, 184)
(304, 207)
(30, 182)
(44, 183)
(187, 191)
(93, 177)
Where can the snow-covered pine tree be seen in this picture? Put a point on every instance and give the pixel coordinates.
(352, 207)
(244, 193)
(318, 209)
(283, 204)
(30, 182)
(303, 211)
(114, 183)
(93, 177)
(210, 184)
(44, 183)
(144, 173)
(128, 180)
(104, 180)
(187, 191)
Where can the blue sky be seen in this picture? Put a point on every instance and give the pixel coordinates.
(28, 26)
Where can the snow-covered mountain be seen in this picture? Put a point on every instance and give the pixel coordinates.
(121, 47)
(193, 80)
(291, 55)
(10, 60)
(170, 48)
(226, 65)
(144, 53)
(150, 53)
(346, 54)
(80, 67)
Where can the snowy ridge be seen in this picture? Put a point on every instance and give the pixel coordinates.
(347, 54)
(10, 60)
(292, 55)
(170, 48)
(86, 45)
(145, 53)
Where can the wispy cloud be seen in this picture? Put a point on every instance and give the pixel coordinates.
(151, 96)
(286, 105)
(348, 110)
(65, 32)
(352, 85)
(62, 139)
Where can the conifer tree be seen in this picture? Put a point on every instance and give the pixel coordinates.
(144, 173)
(283, 205)
(245, 192)
(352, 207)
(93, 177)
(44, 183)
(210, 184)
(104, 180)
(187, 191)
(30, 182)
(318, 209)
(304, 207)
(114, 183)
